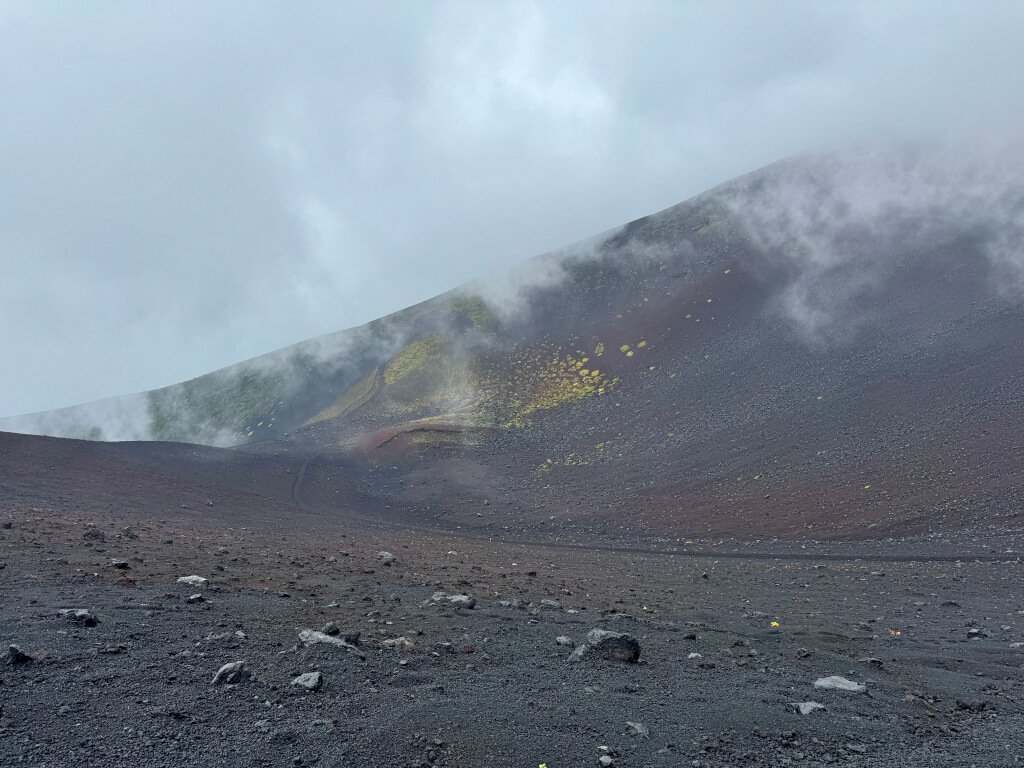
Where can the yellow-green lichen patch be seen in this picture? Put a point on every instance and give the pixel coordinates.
(572, 460)
(474, 311)
(540, 377)
(411, 357)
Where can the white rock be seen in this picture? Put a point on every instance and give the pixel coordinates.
(385, 557)
(695, 656)
(193, 581)
(806, 707)
(839, 683)
(563, 640)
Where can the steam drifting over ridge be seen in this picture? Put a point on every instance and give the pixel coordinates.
(821, 235)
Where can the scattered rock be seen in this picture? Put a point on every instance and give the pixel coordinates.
(330, 628)
(606, 761)
(196, 598)
(312, 637)
(462, 601)
(614, 645)
(121, 565)
(577, 655)
(967, 706)
(695, 656)
(311, 681)
(548, 603)
(835, 682)
(806, 707)
(80, 615)
(563, 640)
(400, 643)
(193, 581)
(93, 534)
(231, 673)
(386, 558)
(17, 656)
(638, 729)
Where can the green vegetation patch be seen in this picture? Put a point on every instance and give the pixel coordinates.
(474, 311)
(411, 357)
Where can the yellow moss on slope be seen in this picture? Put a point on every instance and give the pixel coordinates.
(411, 357)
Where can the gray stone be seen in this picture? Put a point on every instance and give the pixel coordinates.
(434, 598)
(638, 729)
(231, 673)
(196, 598)
(311, 681)
(806, 707)
(547, 603)
(312, 637)
(606, 761)
(462, 601)
(193, 581)
(386, 558)
(835, 682)
(563, 640)
(330, 628)
(614, 645)
(81, 616)
(577, 655)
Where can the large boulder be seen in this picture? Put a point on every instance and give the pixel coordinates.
(614, 645)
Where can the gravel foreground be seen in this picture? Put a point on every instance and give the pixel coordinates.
(729, 647)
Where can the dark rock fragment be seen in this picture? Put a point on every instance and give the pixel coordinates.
(17, 656)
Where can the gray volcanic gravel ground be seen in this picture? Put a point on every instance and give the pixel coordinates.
(489, 686)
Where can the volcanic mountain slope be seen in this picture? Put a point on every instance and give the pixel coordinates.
(831, 345)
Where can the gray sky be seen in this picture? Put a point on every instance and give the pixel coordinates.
(185, 185)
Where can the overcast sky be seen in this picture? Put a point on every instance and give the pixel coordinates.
(185, 185)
